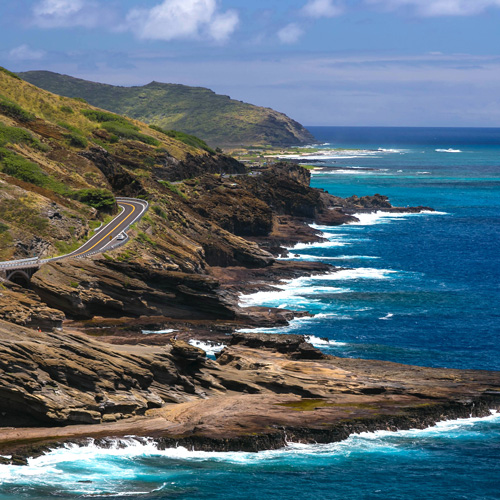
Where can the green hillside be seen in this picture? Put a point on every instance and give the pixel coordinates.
(217, 119)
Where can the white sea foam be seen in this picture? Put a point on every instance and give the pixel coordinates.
(449, 150)
(299, 292)
(296, 324)
(314, 258)
(322, 342)
(211, 348)
(322, 244)
(381, 217)
(387, 316)
(113, 466)
(158, 332)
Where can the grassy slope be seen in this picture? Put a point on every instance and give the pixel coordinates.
(41, 171)
(215, 118)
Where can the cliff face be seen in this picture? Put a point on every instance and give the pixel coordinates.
(217, 119)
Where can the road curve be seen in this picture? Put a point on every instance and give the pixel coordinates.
(132, 210)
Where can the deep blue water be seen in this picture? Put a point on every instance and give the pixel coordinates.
(420, 289)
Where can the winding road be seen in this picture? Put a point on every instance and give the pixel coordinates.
(108, 237)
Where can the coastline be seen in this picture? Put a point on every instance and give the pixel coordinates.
(246, 376)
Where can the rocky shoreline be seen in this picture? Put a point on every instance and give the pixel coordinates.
(265, 391)
(99, 376)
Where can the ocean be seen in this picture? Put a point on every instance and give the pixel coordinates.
(420, 289)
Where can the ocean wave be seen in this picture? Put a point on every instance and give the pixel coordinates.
(114, 462)
(322, 342)
(301, 291)
(158, 332)
(211, 348)
(297, 324)
(381, 217)
(314, 258)
(322, 244)
(387, 316)
(449, 150)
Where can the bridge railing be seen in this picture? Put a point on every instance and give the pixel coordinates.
(20, 264)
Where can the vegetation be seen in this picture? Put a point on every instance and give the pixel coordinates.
(98, 116)
(10, 108)
(188, 139)
(173, 188)
(100, 199)
(159, 211)
(7, 72)
(128, 131)
(16, 135)
(76, 140)
(197, 111)
(15, 165)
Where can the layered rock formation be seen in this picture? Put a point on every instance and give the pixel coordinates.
(260, 391)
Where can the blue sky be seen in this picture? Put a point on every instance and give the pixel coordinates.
(322, 62)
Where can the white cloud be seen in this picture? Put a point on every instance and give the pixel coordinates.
(290, 33)
(431, 8)
(70, 13)
(26, 53)
(174, 19)
(321, 8)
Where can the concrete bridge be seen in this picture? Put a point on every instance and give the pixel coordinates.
(109, 237)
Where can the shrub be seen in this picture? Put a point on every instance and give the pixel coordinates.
(80, 99)
(69, 127)
(173, 188)
(66, 109)
(20, 168)
(190, 140)
(101, 199)
(102, 116)
(76, 140)
(3, 227)
(159, 211)
(13, 110)
(16, 135)
(129, 131)
(145, 239)
(16, 166)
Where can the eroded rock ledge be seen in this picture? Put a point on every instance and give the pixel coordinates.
(261, 391)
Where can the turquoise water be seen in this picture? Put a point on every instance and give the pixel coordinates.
(420, 289)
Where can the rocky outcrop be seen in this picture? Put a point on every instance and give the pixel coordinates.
(196, 166)
(294, 346)
(251, 398)
(23, 307)
(87, 288)
(55, 379)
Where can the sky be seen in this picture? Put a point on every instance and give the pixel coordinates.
(322, 62)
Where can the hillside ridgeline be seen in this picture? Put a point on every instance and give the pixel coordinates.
(217, 119)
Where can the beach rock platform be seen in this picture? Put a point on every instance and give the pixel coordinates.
(261, 392)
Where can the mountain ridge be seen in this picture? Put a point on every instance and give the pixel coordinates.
(215, 118)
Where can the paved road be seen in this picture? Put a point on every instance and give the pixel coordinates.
(105, 239)
(132, 210)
